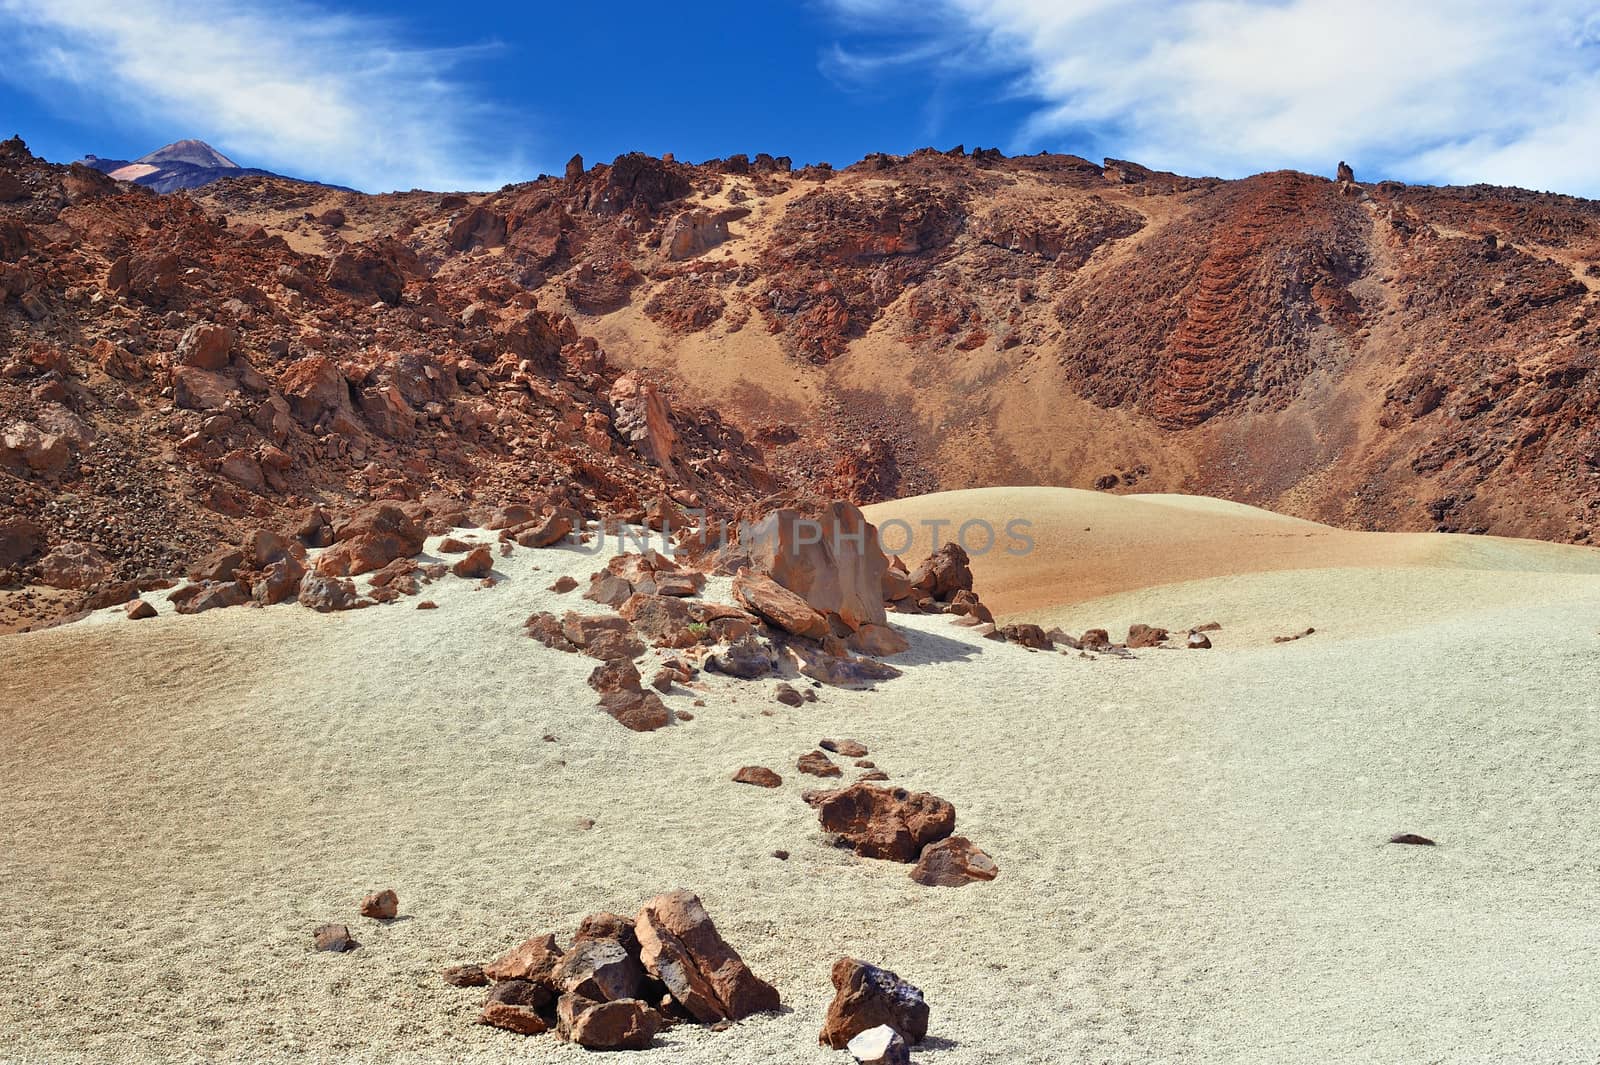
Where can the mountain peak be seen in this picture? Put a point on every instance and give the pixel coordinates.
(193, 152)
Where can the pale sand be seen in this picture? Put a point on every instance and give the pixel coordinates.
(1191, 843)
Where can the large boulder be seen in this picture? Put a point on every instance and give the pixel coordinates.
(890, 823)
(866, 996)
(680, 946)
(74, 566)
(315, 388)
(25, 448)
(780, 606)
(206, 346)
(20, 540)
(644, 420)
(943, 574)
(371, 538)
(833, 561)
(693, 233)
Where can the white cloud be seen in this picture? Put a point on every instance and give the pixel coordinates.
(1506, 91)
(284, 86)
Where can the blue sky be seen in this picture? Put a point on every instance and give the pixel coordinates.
(404, 94)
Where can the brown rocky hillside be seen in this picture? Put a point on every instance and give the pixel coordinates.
(1371, 355)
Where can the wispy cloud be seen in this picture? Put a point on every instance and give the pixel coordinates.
(1506, 91)
(285, 86)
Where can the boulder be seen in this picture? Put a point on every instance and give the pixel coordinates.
(952, 862)
(759, 775)
(139, 610)
(663, 620)
(381, 905)
(547, 532)
(817, 764)
(786, 694)
(680, 946)
(617, 675)
(205, 346)
(25, 448)
(74, 566)
(1028, 636)
(20, 540)
(1145, 636)
(563, 584)
(369, 539)
(604, 925)
(942, 574)
(845, 672)
(846, 748)
(747, 658)
(478, 563)
(534, 959)
(832, 561)
(278, 581)
(866, 996)
(639, 711)
(780, 606)
(693, 233)
(644, 420)
(600, 969)
(214, 595)
(334, 937)
(327, 594)
(626, 1024)
(880, 1046)
(890, 823)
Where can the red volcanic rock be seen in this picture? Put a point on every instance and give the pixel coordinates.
(626, 1024)
(871, 639)
(644, 419)
(563, 584)
(213, 595)
(547, 532)
(1146, 636)
(952, 862)
(74, 566)
(598, 968)
(206, 346)
(865, 996)
(943, 573)
(759, 775)
(20, 540)
(374, 270)
(890, 823)
(780, 606)
(680, 946)
(1028, 636)
(451, 546)
(662, 620)
(468, 975)
(24, 448)
(846, 749)
(333, 937)
(477, 564)
(523, 1020)
(369, 539)
(1198, 641)
(832, 561)
(278, 581)
(382, 905)
(639, 711)
(533, 960)
(139, 610)
(315, 389)
(817, 764)
(617, 675)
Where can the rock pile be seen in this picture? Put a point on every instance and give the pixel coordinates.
(623, 980)
(899, 825)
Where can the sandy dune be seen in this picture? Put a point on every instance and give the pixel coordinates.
(1191, 843)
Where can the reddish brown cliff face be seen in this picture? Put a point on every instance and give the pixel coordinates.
(1372, 355)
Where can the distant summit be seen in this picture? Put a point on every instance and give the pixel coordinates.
(185, 164)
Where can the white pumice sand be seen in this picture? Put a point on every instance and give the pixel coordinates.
(1191, 843)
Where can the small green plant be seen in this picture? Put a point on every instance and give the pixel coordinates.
(698, 629)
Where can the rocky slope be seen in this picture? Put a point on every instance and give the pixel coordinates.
(1376, 356)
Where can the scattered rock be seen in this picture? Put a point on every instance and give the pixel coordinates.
(564, 584)
(477, 564)
(818, 765)
(523, 1020)
(469, 975)
(1296, 636)
(866, 996)
(952, 862)
(1145, 636)
(639, 711)
(139, 610)
(787, 695)
(1198, 641)
(890, 823)
(846, 749)
(1412, 839)
(334, 937)
(759, 775)
(383, 905)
